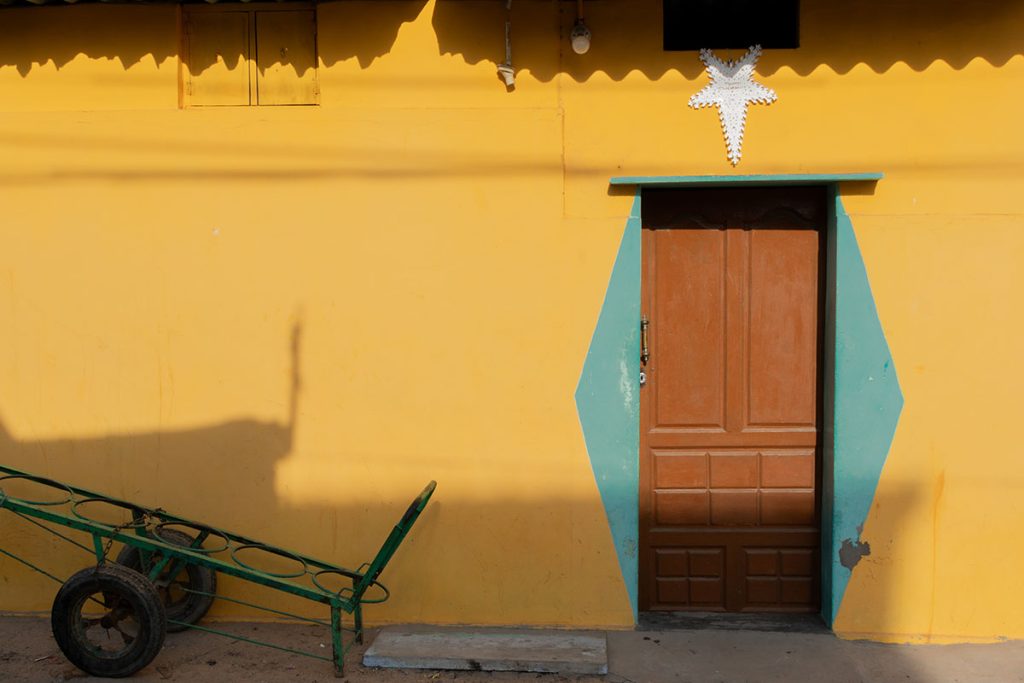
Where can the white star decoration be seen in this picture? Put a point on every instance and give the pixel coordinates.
(732, 89)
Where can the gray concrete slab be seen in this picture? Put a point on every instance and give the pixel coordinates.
(559, 652)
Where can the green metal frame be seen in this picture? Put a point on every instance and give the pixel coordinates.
(143, 532)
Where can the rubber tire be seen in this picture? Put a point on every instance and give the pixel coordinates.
(194, 607)
(110, 579)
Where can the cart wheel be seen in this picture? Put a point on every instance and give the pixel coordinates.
(108, 621)
(181, 606)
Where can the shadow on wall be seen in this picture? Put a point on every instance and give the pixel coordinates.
(223, 475)
(452, 568)
(169, 468)
(35, 36)
(627, 35)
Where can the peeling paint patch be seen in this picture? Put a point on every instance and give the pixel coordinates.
(626, 385)
(851, 552)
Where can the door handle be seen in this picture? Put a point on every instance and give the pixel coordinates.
(644, 353)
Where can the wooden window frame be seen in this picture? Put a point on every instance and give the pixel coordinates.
(250, 9)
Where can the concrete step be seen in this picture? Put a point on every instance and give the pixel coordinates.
(489, 650)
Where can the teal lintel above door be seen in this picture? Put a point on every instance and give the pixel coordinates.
(747, 180)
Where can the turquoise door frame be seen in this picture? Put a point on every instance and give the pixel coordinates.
(862, 398)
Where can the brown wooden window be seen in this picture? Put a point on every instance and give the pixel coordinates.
(251, 55)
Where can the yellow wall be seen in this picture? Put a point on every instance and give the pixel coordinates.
(440, 249)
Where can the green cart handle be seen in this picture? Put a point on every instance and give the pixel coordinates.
(394, 539)
(417, 505)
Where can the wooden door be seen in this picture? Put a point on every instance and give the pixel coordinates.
(730, 413)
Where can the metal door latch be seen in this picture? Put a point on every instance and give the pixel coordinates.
(644, 353)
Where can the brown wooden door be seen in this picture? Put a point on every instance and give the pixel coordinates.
(730, 412)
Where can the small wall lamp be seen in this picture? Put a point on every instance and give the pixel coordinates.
(579, 37)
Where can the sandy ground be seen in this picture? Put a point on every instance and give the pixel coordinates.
(28, 655)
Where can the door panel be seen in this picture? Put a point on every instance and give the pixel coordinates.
(730, 413)
(694, 321)
(783, 333)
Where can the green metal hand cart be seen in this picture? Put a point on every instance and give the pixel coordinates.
(110, 619)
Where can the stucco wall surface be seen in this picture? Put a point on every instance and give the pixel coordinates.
(285, 320)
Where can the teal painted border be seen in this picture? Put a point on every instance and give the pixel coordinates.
(734, 180)
(862, 398)
(608, 402)
(865, 408)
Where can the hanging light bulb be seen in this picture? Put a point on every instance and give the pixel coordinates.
(579, 37)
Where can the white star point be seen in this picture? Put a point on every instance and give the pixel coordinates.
(732, 90)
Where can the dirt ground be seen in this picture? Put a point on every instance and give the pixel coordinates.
(28, 654)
